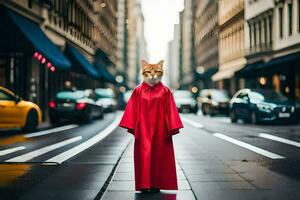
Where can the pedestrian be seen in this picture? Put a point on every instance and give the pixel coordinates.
(152, 117)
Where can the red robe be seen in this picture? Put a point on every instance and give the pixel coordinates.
(152, 117)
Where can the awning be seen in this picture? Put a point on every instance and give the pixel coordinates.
(278, 63)
(80, 63)
(105, 75)
(275, 65)
(39, 40)
(208, 73)
(249, 70)
(227, 71)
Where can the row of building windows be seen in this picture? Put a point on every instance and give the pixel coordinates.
(231, 43)
(261, 32)
(290, 17)
(83, 23)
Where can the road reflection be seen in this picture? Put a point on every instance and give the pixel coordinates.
(10, 173)
(154, 196)
(13, 140)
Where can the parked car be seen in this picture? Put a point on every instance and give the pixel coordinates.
(261, 105)
(76, 105)
(106, 98)
(185, 102)
(213, 101)
(17, 113)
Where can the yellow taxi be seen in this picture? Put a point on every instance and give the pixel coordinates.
(17, 113)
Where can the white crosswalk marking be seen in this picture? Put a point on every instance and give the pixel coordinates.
(11, 150)
(248, 146)
(191, 122)
(38, 152)
(279, 139)
(75, 150)
(53, 130)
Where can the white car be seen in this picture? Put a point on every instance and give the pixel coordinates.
(106, 98)
(185, 102)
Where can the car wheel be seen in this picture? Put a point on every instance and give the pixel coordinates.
(233, 116)
(31, 121)
(253, 118)
(203, 110)
(101, 114)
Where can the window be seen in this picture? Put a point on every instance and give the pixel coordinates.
(259, 33)
(270, 29)
(280, 22)
(290, 13)
(250, 34)
(254, 34)
(298, 15)
(6, 97)
(266, 31)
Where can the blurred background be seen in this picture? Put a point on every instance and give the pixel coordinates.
(51, 49)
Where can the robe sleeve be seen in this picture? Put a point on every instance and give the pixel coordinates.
(128, 120)
(172, 116)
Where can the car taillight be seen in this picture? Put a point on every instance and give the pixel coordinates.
(52, 104)
(80, 106)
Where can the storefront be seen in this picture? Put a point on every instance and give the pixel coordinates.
(30, 63)
(281, 74)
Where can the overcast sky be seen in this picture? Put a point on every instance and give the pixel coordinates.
(160, 17)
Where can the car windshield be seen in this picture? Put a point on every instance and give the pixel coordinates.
(268, 96)
(219, 95)
(104, 93)
(78, 94)
(182, 94)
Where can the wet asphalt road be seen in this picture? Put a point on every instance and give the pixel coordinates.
(215, 160)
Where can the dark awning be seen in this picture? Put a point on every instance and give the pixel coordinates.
(105, 75)
(249, 70)
(208, 73)
(80, 60)
(281, 62)
(278, 65)
(39, 40)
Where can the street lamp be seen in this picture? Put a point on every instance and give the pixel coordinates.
(119, 78)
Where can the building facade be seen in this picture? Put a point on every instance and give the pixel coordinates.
(136, 46)
(45, 44)
(173, 59)
(273, 50)
(206, 32)
(231, 44)
(186, 45)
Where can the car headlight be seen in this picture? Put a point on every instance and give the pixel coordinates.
(292, 109)
(264, 107)
(215, 103)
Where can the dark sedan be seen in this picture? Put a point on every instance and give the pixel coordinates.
(261, 105)
(75, 105)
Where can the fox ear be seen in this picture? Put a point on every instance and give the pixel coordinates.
(144, 63)
(161, 63)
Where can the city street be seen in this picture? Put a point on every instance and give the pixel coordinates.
(215, 160)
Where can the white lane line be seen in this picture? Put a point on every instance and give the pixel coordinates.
(248, 146)
(279, 139)
(60, 158)
(53, 130)
(38, 152)
(191, 122)
(11, 150)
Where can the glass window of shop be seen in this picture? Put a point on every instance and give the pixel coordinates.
(3, 72)
(297, 88)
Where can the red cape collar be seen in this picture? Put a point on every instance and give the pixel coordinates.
(156, 87)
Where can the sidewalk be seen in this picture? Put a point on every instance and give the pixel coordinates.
(122, 184)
